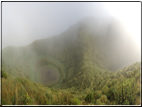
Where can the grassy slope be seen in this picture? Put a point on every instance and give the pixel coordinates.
(24, 92)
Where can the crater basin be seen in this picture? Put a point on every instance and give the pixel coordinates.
(47, 75)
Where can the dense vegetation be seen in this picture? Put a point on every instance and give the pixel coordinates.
(88, 65)
(121, 89)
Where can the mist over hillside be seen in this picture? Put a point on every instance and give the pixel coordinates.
(90, 43)
(87, 57)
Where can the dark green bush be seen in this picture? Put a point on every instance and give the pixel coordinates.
(97, 94)
(138, 93)
(111, 93)
(126, 102)
(125, 93)
(3, 75)
(105, 90)
(75, 101)
(89, 97)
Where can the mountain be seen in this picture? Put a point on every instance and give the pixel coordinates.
(79, 51)
(82, 59)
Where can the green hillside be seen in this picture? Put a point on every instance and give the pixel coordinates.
(119, 88)
(80, 62)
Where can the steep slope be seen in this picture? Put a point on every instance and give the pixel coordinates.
(117, 88)
(77, 57)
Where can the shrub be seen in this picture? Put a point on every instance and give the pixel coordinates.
(138, 92)
(103, 99)
(112, 103)
(27, 99)
(125, 93)
(75, 101)
(137, 76)
(98, 102)
(111, 93)
(65, 99)
(97, 94)
(109, 84)
(4, 75)
(105, 90)
(89, 97)
(126, 102)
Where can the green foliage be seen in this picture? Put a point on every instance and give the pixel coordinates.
(75, 101)
(105, 90)
(126, 102)
(109, 84)
(103, 99)
(89, 97)
(18, 91)
(98, 102)
(138, 92)
(125, 93)
(83, 66)
(4, 74)
(15, 92)
(27, 99)
(111, 93)
(97, 94)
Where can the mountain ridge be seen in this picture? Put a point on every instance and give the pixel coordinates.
(79, 66)
(79, 50)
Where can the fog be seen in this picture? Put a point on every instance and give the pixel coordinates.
(67, 37)
(25, 22)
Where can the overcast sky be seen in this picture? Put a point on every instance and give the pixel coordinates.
(24, 22)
